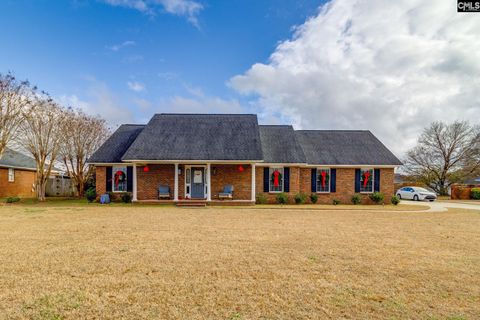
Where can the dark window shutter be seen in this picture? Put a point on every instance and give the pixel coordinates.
(108, 179)
(333, 180)
(376, 182)
(129, 179)
(266, 179)
(286, 179)
(357, 180)
(314, 180)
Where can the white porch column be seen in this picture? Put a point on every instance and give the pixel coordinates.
(253, 182)
(175, 187)
(209, 187)
(134, 197)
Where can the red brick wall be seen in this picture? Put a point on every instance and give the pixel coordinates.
(229, 174)
(100, 182)
(346, 186)
(21, 187)
(148, 182)
(295, 178)
(300, 181)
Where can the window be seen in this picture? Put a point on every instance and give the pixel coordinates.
(119, 179)
(276, 179)
(323, 180)
(11, 175)
(366, 180)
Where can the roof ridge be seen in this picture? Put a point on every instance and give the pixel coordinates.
(332, 130)
(205, 114)
(275, 125)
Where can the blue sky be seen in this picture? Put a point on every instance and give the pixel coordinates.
(391, 67)
(69, 47)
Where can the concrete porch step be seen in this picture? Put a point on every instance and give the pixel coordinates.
(191, 204)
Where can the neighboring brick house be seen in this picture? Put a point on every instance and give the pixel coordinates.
(197, 155)
(17, 175)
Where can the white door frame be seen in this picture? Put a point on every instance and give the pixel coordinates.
(206, 184)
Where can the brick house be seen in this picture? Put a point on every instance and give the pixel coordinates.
(197, 155)
(17, 175)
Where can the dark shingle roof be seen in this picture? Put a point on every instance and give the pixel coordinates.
(340, 147)
(11, 158)
(198, 137)
(279, 145)
(118, 143)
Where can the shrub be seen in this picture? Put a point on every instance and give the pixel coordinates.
(261, 198)
(300, 198)
(282, 198)
(335, 202)
(395, 201)
(12, 199)
(377, 197)
(126, 197)
(314, 197)
(475, 193)
(356, 199)
(91, 194)
(112, 196)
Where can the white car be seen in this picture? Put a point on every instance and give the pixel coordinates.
(416, 193)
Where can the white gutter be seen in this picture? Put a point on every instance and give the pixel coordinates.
(194, 161)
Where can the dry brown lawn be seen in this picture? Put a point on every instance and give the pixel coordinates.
(91, 262)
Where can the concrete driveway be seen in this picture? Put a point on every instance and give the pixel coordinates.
(441, 206)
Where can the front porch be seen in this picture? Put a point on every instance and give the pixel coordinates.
(194, 182)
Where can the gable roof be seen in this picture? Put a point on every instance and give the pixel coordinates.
(198, 137)
(15, 159)
(279, 144)
(118, 143)
(344, 147)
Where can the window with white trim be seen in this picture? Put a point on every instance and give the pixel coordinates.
(119, 179)
(323, 180)
(11, 175)
(366, 180)
(276, 179)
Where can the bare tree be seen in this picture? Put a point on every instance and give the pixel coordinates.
(40, 134)
(445, 154)
(15, 97)
(82, 136)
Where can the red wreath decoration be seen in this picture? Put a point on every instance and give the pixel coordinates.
(276, 178)
(241, 168)
(324, 178)
(366, 176)
(119, 177)
(146, 169)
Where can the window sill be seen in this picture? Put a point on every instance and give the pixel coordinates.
(275, 192)
(323, 192)
(366, 192)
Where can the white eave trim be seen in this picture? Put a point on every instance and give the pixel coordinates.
(195, 161)
(373, 166)
(107, 164)
(18, 168)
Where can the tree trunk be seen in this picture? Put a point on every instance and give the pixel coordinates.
(80, 189)
(41, 187)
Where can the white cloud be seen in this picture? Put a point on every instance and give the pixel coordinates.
(199, 102)
(391, 67)
(122, 45)
(99, 100)
(136, 86)
(185, 8)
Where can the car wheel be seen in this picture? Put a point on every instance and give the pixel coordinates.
(415, 198)
(399, 196)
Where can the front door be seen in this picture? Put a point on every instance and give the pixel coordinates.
(198, 183)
